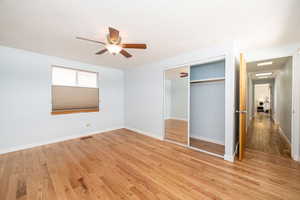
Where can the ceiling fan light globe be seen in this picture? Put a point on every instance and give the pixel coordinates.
(113, 49)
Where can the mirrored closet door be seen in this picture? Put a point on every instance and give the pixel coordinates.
(207, 107)
(176, 105)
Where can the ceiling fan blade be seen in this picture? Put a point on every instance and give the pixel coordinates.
(134, 46)
(101, 51)
(125, 53)
(86, 39)
(113, 34)
(183, 75)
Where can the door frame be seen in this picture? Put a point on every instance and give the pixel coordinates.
(295, 122)
(295, 135)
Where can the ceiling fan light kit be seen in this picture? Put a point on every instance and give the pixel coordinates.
(114, 45)
(113, 49)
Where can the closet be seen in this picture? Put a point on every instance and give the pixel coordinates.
(207, 107)
(206, 100)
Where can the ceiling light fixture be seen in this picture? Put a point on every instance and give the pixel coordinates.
(113, 49)
(265, 63)
(264, 74)
(263, 77)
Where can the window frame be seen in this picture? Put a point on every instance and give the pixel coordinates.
(74, 111)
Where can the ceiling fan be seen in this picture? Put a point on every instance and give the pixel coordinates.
(184, 74)
(114, 45)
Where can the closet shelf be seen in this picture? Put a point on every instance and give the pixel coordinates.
(208, 80)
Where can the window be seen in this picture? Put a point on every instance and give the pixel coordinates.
(74, 91)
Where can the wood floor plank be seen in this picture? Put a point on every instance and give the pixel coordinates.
(264, 135)
(207, 146)
(122, 164)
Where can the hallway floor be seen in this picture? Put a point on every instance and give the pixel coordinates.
(263, 135)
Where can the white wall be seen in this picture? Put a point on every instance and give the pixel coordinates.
(179, 99)
(144, 93)
(25, 85)
(283, 99)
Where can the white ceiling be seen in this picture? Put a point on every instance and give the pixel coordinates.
(277, 65)
(169, 27)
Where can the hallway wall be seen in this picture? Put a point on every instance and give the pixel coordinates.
(283, 99)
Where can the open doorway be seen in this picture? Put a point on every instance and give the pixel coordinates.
(269, 106)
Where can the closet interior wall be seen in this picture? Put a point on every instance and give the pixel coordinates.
(207, 107)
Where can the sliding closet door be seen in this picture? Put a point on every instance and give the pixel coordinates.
(176, 105)
(207, 107)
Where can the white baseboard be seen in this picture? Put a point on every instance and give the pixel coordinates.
(61, 139)
(284, 135)
(207, 139)
(144, 133)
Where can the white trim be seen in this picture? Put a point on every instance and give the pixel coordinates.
(28, 146)
(188, 111)
(144, 133)
(208, 139)
(230, 92)
(295, 135)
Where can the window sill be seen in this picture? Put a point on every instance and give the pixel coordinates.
(63, 112)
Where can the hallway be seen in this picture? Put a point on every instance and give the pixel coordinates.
(263, 135)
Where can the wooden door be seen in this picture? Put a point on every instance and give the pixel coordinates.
(243, 107)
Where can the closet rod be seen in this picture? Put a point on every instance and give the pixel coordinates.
(208, 80)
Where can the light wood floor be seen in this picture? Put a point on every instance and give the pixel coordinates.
(207, 146)
(176, 130)
(125, 165)
(263, 135)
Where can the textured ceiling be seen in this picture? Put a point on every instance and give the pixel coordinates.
(169, 27)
